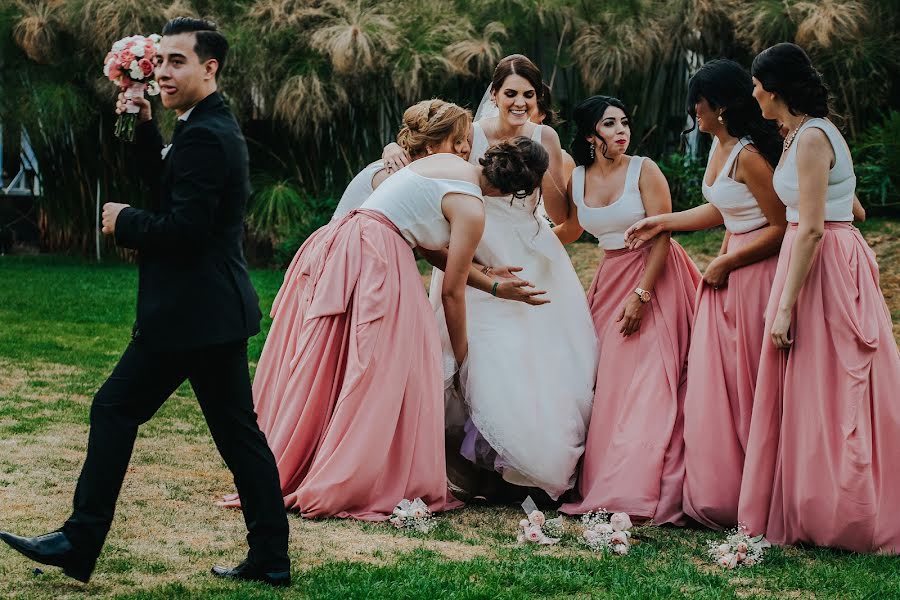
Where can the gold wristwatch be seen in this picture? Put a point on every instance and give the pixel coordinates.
(644, 295)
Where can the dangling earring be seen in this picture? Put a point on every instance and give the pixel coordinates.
(720, 119)
(592, 152)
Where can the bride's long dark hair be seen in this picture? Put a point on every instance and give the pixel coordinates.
(725, 84)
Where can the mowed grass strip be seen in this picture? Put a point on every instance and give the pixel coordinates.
(63, 324)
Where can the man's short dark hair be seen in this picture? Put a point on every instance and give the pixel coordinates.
(210, 43)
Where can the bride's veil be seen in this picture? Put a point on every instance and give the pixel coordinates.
(486, 108)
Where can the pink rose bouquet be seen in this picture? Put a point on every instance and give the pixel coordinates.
(129, 65)
(604, 531)
(738, 550)
(531, 529)
(414, 515)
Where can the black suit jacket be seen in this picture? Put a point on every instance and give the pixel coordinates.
(193, 285)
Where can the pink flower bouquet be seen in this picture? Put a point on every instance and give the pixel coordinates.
(604, 531)
(532, 529)
(129, 65)
(413, 515)
(738, 550)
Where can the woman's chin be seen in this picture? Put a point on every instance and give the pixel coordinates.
(516, 119)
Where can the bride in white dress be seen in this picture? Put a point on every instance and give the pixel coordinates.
(527, 383)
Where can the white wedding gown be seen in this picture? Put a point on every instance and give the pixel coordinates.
(528, 380)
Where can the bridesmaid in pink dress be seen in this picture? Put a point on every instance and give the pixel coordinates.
(642, 306)
(825, 432)
(353, 381)
(729, 314)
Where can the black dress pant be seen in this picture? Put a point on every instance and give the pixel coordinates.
(141, 382)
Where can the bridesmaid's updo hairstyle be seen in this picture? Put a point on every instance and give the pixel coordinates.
(727, 85)
(521, 65)
(515, 166)
(430, 122)
(785, 70)
(586, 116)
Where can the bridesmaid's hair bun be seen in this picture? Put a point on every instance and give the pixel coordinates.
(786, 70)
(515, 166)
(429, 123)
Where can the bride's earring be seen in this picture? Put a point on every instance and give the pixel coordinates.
(720, 119)
(593, 152)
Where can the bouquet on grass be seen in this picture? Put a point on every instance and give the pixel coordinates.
(129, 65)
(413, 515)
(739, 549)
(537, 529)
(605, 531)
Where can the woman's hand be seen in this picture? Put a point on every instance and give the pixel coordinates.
(394, 157)
(504, 272)
(643, 231)
(512, 287)
(781, 328)
(717, 271)
(521, 291)
(630, 316)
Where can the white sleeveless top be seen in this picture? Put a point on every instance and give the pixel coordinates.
(841, 180)
(734, 200)
(412, 202)
(609, 223)
(359, 188)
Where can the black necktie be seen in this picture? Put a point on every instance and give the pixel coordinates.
(179, 125)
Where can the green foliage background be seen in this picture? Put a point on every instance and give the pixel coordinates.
(320, 85)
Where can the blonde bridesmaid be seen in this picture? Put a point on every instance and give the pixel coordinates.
(729, 323)
(423, 133)
(825, 432)
(428, 128)
(642, 306)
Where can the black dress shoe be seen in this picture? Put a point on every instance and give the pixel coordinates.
(247, 571)
(53, 549)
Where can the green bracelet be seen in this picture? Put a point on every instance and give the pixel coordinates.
(494, 288)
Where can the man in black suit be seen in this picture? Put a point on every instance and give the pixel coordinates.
(196, 308)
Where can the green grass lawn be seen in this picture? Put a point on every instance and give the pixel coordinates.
(63, 324)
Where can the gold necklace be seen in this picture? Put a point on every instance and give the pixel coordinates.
(790, 137)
